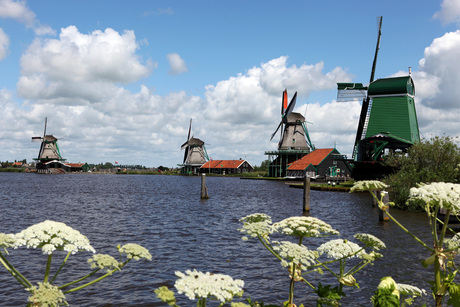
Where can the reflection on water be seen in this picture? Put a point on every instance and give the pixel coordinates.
(166, 215)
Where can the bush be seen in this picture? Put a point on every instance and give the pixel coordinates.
(434, 160)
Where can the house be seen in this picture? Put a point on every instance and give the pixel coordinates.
(320, 163)
(226, 167)
(77, 167)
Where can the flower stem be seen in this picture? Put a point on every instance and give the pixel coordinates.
(97, 279)
(48, 267)
(60, 268)
(80, 279)
(10, 268)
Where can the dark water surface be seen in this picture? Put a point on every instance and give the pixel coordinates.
(165, 215)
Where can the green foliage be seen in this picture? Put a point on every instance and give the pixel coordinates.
(434, 160)
(328, 296)
(454, 295)
(385, 298)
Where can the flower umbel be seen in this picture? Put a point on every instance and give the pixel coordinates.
(445, 195)
(304, 226)
(257, 224)
(6, 240)
(51, 236)
(340, 248)
(46, 295)
(368, 185)
(135, 251)
(299, 254)
(370, 240)
(195, 284)
(104, 262)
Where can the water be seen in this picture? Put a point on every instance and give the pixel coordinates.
(165, 215)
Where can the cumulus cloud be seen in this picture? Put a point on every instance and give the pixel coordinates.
(177, 64)
(19, 11)
(4, 44)
(450, 12)
(80, 68)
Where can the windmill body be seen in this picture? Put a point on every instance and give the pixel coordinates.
(49, 158)
(195, 154)
(293, 136)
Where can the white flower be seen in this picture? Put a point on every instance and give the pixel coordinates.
(410, 290)
(445, 195)
(453, 243)
(103, 261)
(304, 226)
(51, 236)
(6, 240)
(256, 224)
(368, 185)
(340, 248)
(299, 254)
(195, 284)
(46, 295)
(135, 251)
(370, 240)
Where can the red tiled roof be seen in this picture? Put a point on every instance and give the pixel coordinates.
(223, 164)
(75, 164)
(315, 158)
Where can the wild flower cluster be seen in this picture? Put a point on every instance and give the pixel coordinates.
(370, 241)
(445, 195)
(257, 224)
(51, 236)
(6, 240)
(304, 226)
(368, 185)
(46, 295)
(104, 262)
(410, 290)
(135, 251)
(340, 248)
(299, 254)
(195, 284)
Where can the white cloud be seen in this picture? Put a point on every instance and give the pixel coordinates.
(4, 44)
(19, 11)
(177, 64)
(80, 68)
(450, 12)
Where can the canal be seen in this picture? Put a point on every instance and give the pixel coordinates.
(166, 215)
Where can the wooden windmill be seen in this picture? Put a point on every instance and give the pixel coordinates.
(49, 149)
(294, 133)
(387, 123)
(195, 154)
(294, 139)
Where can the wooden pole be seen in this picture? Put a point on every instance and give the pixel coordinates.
(306, 193)
(382, 214)
(204, 190)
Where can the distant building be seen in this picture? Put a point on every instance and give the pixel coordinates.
(320, 163)
(226, 167)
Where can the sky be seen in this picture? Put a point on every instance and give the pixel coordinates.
(120, 80)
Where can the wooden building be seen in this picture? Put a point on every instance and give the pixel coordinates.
(320, 163)
(226, 167)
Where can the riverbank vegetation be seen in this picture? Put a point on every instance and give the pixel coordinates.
(433, 160)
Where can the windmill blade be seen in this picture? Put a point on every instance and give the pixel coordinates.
(44, 133)
(281, 123)
(284, 102)
(290, 107)
(186, 143)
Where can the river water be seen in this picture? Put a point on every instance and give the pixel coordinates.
(166, 215)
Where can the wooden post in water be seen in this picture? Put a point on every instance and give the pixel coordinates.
(204, 190)
(306, 193)
(382, 215)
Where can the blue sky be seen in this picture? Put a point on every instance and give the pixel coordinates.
(120, 80)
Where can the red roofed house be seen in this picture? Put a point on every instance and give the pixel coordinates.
(226, 167)
(327, 162)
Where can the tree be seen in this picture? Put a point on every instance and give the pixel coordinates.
(434, 160)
